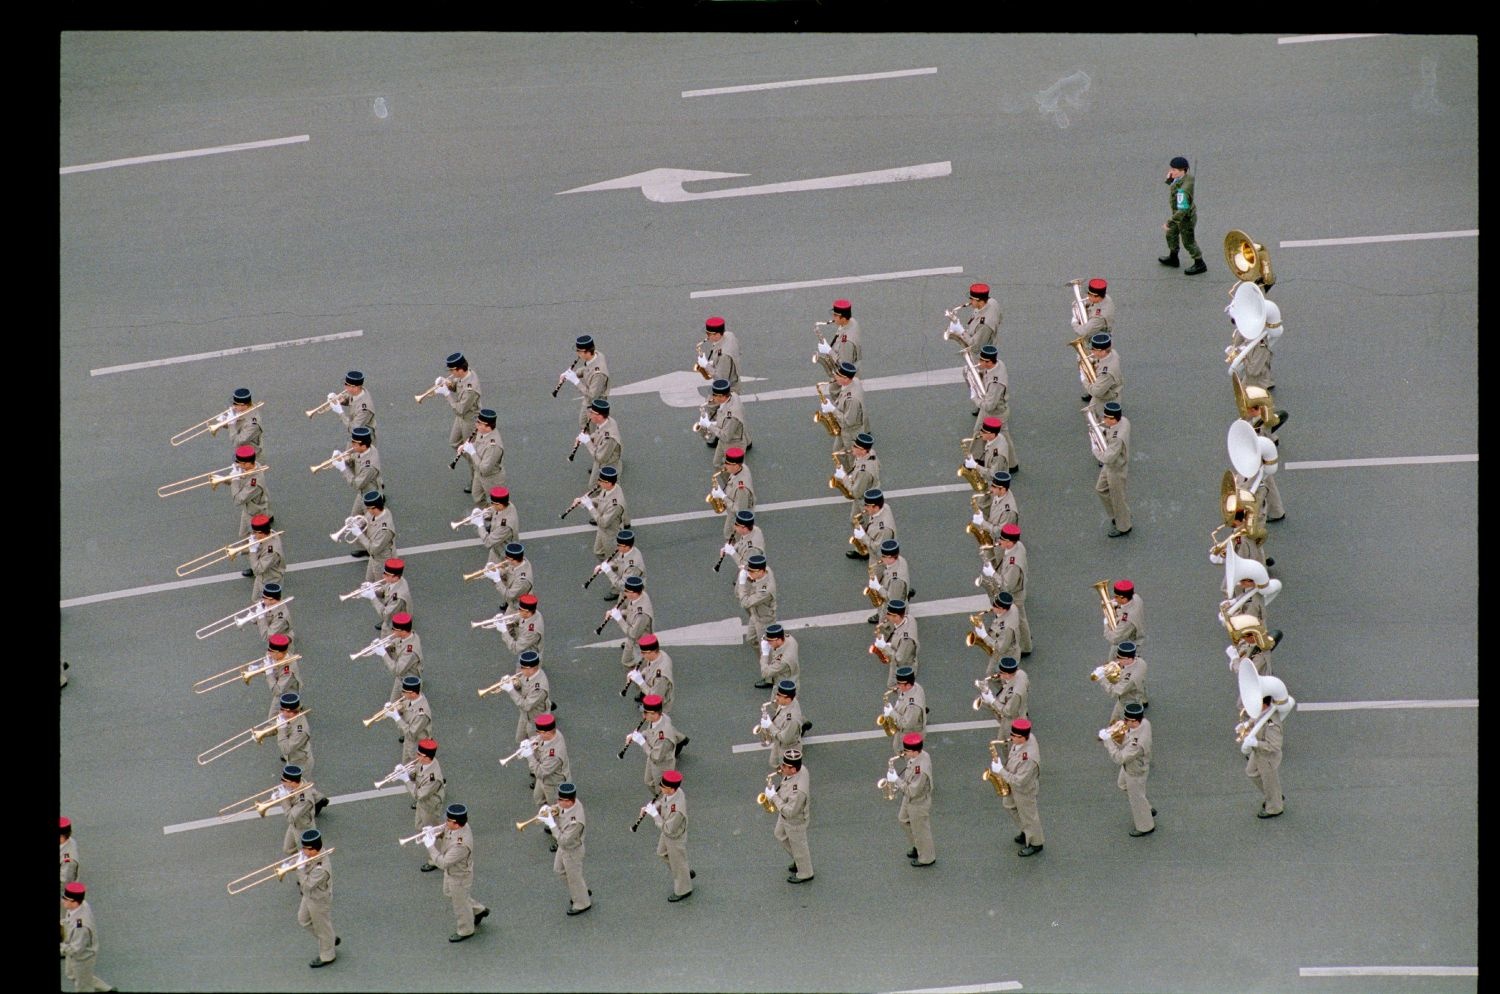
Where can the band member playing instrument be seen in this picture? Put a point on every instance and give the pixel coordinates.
(267, 563)
(601, 437)
(892, 576)
(548, 760)
(720, 353)
(1007, 572)
(726, 429)
(1130, 616)
(525, 635)
(908, 708)
(512, 576)
(748, 540)
(486, 456)
(1264, 764)
(896, 636)
(1022, 770)
(283, 675)
(657, 739)
(994, 403)
(531, 693)
(590, 374)
(915, 787)
(989, 451)
(376, 535)
(300, 813)
(80, 940)
(277, 619)
(392, 595)
(635, 616)
(357, 408)
(431, 789)
(414, 718)
(67, 853)
(248, 489)
(1099, 309)
(843, 341)
(783, 728)
(1008, 700)
(403, 657)
(738, 488)
(627, 561)
(1114, 470)
(1130, 687)
(500, 525)
(453, 853)
(1257, 415)
(1001, 622)
(568, 829)
(610, 511)
(461, 389)
(245, 429)
(654, 675)
(792, 801)
(1133, 757)
(778, 658)
(294, 741)
(982, 324)
(360, 465)
(669, 812)
(755, 588)
(863, 473)
(1109, 378)
(848, 409)
(876, 524)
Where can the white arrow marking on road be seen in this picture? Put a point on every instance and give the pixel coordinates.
(729, 631)
(683, 389)
(664, 186)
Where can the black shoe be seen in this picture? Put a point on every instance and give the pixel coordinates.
(674, 898)
(712, 443)
(1278, 517)
(247, 572)
(611, 596)
(359, 554)
(1270, 561)
(1153, 812)
(851, 554)
(1169, 260)
(692, 874)
(318, 808)
(414, 806)
(911, 594)
(911, 853)
(552, 847)
(1019, 838)
(872, 619)
(1196, 268)
(578, 911)
(1281, 418)
(1030, 851)
(468, 490)
(401, 738)
(928, 863)
(1116, 533)
(427, 868)
(1136, 834)
(1277, 637)
(806, 727)
(532, 784)
(762, 685)
(1026, 653)
(1086, 398)
(376, 627)
(337, 941)
(455, 937)
(1263, 813)
(677, 750)
(480, 916)
(315, 964)
(791, 868)
(794, 879)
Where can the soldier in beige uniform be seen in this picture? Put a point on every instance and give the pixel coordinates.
(431, 790)
(501, 525)
(248, 489)
(267, 563)
(782, 730)
(1003, 509)
(525, 633)
(994, 403)
(277, 619)
(896, 638)
(609, 509)
(531, 693)
(512, 576)
(414, 717)
(568, 828)
(848, 410)
(892, 576)
(915, 787)
(982, 324)
(669, 812)
(654, 674)
(756, 590)
(635, 616)
(486, 456)
(727, 428)
(1000, 624)
(461, 389)
(658, 740)
(1008, 701)
(843, 340)
(376, 535)
(908, 707)
(720, 353)
(80, 944)
(1108, 376)
(67, 853)
(300, 814)
(862, 475)
(357, 408)
(737, 489)
(1022, 770)
(876, 523)
(1264, 764)
(391, 596)
(456, 860)
(590, 374)
(601, 438)
(245, 429)
(359, 465)
(990, 451)
(748, 540)
(779, 657)
(1130, 688)
(293, 734)
(627, 561)
(1133, 756)
(1130, 616)
(548, 760)
(1114, 472)
(283, 675)
(793, 804)
(1006, 573)
(1098, 310)
(403, 657)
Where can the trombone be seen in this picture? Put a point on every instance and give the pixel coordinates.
(379, 645)
(211, 426)
(828, 421)
(327, 405)
(336, 457)
(272, 797)
(238, 619)
(278, 870)
(213, 479)
(390, 709)
(499, 621)
(545, 810)
(1106, 604)
(254, 734)
(504, 684)
(360, 591)
(347, 533)
(224, 553)
(396, 771)
(244, 671)
(534, 742)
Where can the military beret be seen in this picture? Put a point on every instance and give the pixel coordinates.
(456, 361)
(714, 323)
(374, 498)
(787, 687)
(735, 454)
(980, 291)
(599, 406)
(290, 701)
(890, 547)
(75, 891)
(361, 434)
(1011, 531)
(1124, 588)
(1125, 650)
(775, 631)
(291, 772)
(261, 523)
(651, 702)
(874, 496)
(271, 590)
(624, 537)
(528, 601)
(1178, 162)
(1112, 409)
(895, 606)
(458, 813)
(1000, 479)
(847, 369)
(1021, 726)
(515, 550)
(671, 778)
(567, 791)
(843, 307)
(312, 839)
(544, 721)
(864, 440)
(746, 518)
(585, 342)
(279, 642)
(1098, 287)
(991, 424)
(395, 567)
(649, 643)
(499, 494)
(1004, 599)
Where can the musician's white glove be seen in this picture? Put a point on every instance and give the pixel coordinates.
(888, 710)
(969, 463)
(652, 810)
(614, 613)
(728, 549)
(825, 349)
(570, 376)
(527, 749)
(1216, 559)
(704, 422)
(492, 574)
(587, 502)
(954, 328)
(583, 438)
(549, 821)
(765, 722)
(429, 837)
(255, 545)
(979, 632)
(637, 738)
(441, 390)
(1098, 673)
(1249, 744)
(839, 473)
(289, 862)
(368, 594)
(334, 405)
(393, 709)
(1103, 734)
(1233, 652)
(996, 766)
(978, 518)
(771, 794)
(403, 776)
(890, 775)
(859, 532)
(827, 408)
(881, 643)
(1075, 323)
(742, 577)
(468, 448)
(634, 676)
(716, 492)
(876, 585)
(357, 526)
(765, 647)
(987, 696)
(703, 363)
(988, 569)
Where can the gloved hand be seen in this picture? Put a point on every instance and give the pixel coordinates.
(588, 503)
(403, 776)
(492, 573)
(859, 532)
(881, 643)
(728, 549)
(1249, 744)
(570, 376)
(977, 518)
(980, 633)
(825, 349)
(954, 328)
(254, 545)
(442, 390)
(765, 721)
(717, 493)
(988, 569)
(615, 614)
(583, 438)
(393, 709)
(839, 473)
(890, 775)
(429, 837)
(771, 794)
(289, 862)
(334, 405)
(1217, 560)
(888, 710)
(368, 593)
(549, 821)
(1098, 673)
(827, 408)
(527, 749)
(1103, 734)
(987, 696)
(765, 647)
(637, 738)
(335, 454)
(969, 463)
(358, 527)
(876, 585)
(651, 809)
(996, 766)
(635, 677)
(606, 568)
(743, 576)
(703, 422)
(703, 363)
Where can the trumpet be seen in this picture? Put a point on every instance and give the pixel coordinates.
(883, 722)
(973, 638)
(1080, 309)
(1109, 672)
(360, 591)
(263, 801)
(757, 729)
(884, 784)
(1097, 444)
(974, 477)
(560, 380)
(698, 366)
(255, 734)
(327, 405)
(1087, 368)
(431, 831)
(499, 621)
(544, 811)
(980, 532)
(224, 553)
(828, 421)
(716, 497)
(877, 598)
(348, 533)
(379, 645)
(440, 382)
(484, 570)
(1106, 603)
(505, 683)
(277, 870)
(387, 710)
(1002, 787)
(981, 686)
(396, 771)
(762, 799)
(579, 500)
(213, 479)
(834, 482)
(211, 426)
(336, 457)
(245, 671)
(474, 517)
(535, 741)
(1116, 731)
(238, 619)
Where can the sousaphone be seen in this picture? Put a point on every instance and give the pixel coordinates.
(1247, 259)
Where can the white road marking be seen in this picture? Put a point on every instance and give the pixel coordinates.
(1470, 702)
(664, 186)
(1391, 461)
(1420, 236)
(1388, 971)
(999, 985)
(683, 389)
(835, 281)
(363, 795)
(678, 389)
(874, 733)
(191, 153)
(239, 350)
(1300, 39)
(817, 81)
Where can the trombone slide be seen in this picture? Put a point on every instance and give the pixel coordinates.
(211, 426)
(253, 734)
(245, 671)
(277, 870)
(223, 553)
(263, 801)
(238, 619)
(194, 482)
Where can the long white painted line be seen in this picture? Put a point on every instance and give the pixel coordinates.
(999, 985)
(363, 795)
(969, 726)
(191, 153)
(1392, 461)
(834, 281)
(1388, 971)
(239, 350)
(1299, 39)
(1420, 236)
(817, 81)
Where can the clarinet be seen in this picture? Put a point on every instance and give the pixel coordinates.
(592, 575)
(576, 443)
(459, 454)
(621, 754)
(720, 562)
(638, 820)
(573, 365)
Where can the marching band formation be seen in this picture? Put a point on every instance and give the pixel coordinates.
(989, 466)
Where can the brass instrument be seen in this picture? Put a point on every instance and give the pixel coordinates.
(360, 590)
(974, 477)
(579, 500)
(884, 722)
(1087, 368)
(951, 314)
(1109, 672)
(980, 533)
(702, 413)
(1246, 398)
(255, 734)
(981, 686)
(1001, 785)
(535, 740)
(1116, 731)
(407, 768)
(264, 801)
(973, 377)
(238, 619)
(497, 622)
(278, 870)
(337, 457)
(829, 421)
(877, 597)
(347, 533)
(213, 479)
(698, 367)
(441, 381)
(826, 361)
(377, 646)
(211, 426)
(474, 517)
(1248, 260)
(757, 729)
(718, 503)
(761, 798)
(1097, 445)
(834, 483)
(223, 553)
(505, 683)
(1247, 626)
(1254, 689)
(1080, 309)
(245, 671)
(973, 638)
(327, 405)
(433, 830)
(1250, 312)
(1222, 545)
(543, 811)
(1238, 507)
(390, 709)
(1107, 603)
(884, 784)
(860, 545)
(486, 568)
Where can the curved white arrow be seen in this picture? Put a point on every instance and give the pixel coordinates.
(664, 186)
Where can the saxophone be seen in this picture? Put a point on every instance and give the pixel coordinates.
(1002, 789)
(974, 477)
(860, 545)
(761, 798)
(876, 597)
(980, 534)
(881, 721)
(717, 503)
(834, 483)
(828, 421)
(977, 621)
(885, 785)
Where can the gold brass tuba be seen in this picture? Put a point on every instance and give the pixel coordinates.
(762, 799)
(974, 477)
(1107, 603)
(1247, 397)
(828, 421)
(1239, 508)
(1002, 788)
(717, 503)
(1248, 260)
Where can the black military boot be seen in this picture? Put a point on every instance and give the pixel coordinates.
(1169, 260)
(1196, 268)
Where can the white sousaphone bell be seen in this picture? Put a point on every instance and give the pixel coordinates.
(1238, 568)
(1252, 456)
(1254, 688)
